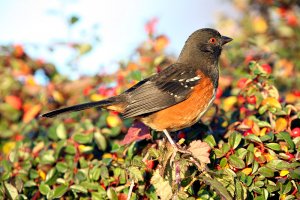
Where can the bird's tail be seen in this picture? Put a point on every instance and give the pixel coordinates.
(103, 104)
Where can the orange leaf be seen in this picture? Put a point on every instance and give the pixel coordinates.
(281, 124)
(247, 171)
(14, 101)
(31, 113)
(161, 43)
(200, 150)
(272, 102)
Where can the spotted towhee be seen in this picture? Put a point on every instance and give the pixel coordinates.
(176, 97)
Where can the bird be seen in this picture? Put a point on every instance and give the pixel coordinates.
(176, 97)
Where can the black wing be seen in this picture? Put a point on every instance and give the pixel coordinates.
(162, 90)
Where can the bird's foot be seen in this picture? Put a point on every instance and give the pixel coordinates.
(180, 149)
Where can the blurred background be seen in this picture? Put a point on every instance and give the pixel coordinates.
(112, 29)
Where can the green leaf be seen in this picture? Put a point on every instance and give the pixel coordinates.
(11, 191)
(61, 131)
(79, 189)
(136, 75)
(59, 191)
(70, 149)
(100, 141)
(295, 174)
(44, 188)
(210, 140)
(286, 136)
(95, 173)
(223, 162)
(218, 187)
(241, 153)
(253, 138)
(235, 139)
(268, 137)
(111, 194)
(50, 177)
(81, 175)
(83, 138)
(264, 124)
(84, 48)
(254, 166)
(249, 158)
(236, 162)
(240, 190)
(74, 19)
(61, 167)
(266, 172)
(273, 146)
(104, 172)
(135, 173)
(30, 183)
(48, 157)
(286, 188)
(278, 164)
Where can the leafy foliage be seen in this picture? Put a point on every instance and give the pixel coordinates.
(250, 138)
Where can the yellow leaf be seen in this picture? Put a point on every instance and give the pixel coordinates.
(8, 147)
(107, 155)
(260, 25)
(284, 172)
(58, 96)
(269, 157)
(97, 97)
(257, 152)
(229, 103)
(42, 174)
(247, 171)
(263, 131)
(284, 147)
(272, 102)
(281, 124)
(113, 120)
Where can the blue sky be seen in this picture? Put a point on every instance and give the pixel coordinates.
(121, 27)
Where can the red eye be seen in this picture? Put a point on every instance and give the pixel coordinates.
(212, 40)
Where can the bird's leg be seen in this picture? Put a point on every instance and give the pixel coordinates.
(175, 146)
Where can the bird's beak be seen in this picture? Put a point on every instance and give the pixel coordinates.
(225, 40)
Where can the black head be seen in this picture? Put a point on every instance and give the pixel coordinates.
(205, 43)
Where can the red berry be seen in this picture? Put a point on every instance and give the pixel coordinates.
(219, 93)
(242, 83)
(181, 135)
(290, 156)
(243, 110)
(240, 99)
(251, 99)
(297, 93)
(267, 68)
(292, 20)
(87, 90)
(248, 59)
(19, 137)
(295, 132)
(248, 132)
(150, 164)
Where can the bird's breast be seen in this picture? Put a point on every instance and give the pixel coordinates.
(185, 113)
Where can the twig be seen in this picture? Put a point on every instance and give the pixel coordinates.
(130, 190)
